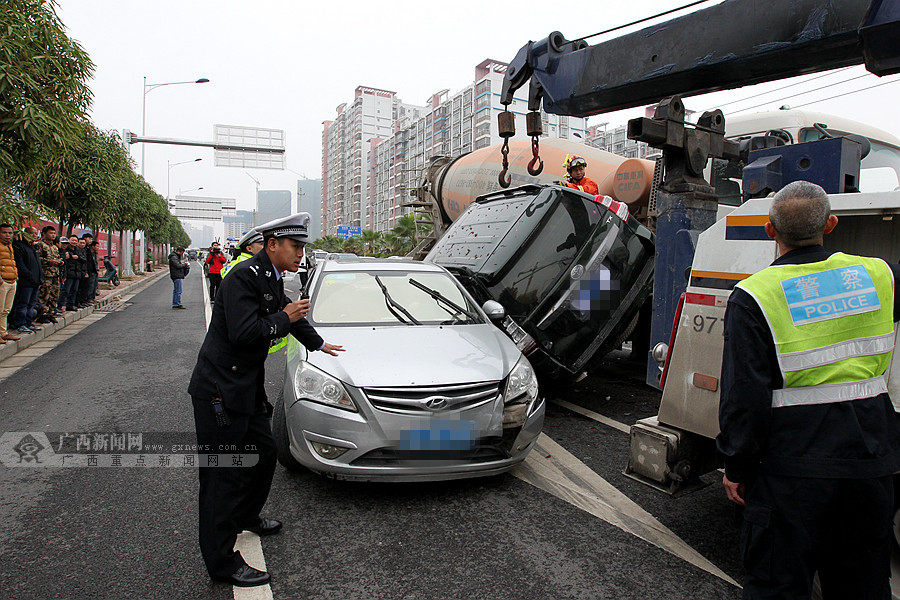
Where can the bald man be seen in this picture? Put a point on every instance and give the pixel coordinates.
(809, 434)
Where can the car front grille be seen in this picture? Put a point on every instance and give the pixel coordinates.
(432, 399)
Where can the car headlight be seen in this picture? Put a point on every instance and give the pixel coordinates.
(522, 383)
(313, 384)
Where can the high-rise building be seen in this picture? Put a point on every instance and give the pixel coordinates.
(615, 140)
(450, 125)
(309, 199)
(272, 204)
(238, 224)
(201, 236)
(345, 153)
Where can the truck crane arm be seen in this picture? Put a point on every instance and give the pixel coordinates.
(729, 45)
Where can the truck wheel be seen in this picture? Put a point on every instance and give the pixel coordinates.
(282, 440)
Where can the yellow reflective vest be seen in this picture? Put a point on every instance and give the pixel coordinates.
(833, 327)
(239, 258)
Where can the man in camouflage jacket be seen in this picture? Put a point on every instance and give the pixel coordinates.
(48, 295)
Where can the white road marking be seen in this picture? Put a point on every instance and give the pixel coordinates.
(593, 415)
(247, 543)
(207, 307)
(554, 469)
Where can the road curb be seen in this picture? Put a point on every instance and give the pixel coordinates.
(10, 349)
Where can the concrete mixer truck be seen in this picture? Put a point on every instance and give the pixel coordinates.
(570, 270)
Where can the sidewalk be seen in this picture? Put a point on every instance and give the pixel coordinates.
(106, 297)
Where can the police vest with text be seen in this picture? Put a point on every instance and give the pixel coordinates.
(833, 326)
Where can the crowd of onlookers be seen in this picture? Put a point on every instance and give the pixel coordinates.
(41, 276)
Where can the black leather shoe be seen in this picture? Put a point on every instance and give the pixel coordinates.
(246, 576)
(266, 527)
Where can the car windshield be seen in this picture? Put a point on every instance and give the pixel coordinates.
(355, 298)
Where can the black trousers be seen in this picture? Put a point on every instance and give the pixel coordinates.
(841, 528)
(231, 497)
(214, 280)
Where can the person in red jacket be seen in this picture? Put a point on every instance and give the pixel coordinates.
(215, 259)
(575, 167)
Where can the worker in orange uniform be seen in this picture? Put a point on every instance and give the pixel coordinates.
(575, 166)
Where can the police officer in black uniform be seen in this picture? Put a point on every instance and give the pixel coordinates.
(815, 477)
(230, 405)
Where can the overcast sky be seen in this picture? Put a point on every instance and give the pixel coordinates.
(288, 64)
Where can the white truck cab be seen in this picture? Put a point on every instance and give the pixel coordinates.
(671, 450)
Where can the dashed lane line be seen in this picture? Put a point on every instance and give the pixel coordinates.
(247, 543)
(552, 468)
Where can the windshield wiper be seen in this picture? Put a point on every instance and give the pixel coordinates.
(439, 297)
(392, 304)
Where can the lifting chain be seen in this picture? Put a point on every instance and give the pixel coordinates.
(506, 124)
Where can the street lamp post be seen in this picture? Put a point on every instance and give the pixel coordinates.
(170, 165)
(148, 87)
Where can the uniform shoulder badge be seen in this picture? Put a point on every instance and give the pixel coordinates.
(255, 270)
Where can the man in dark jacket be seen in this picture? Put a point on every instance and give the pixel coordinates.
(75, 270)
(178, 270)
(30, 277)
(230, 405)
(808, 431)
(88, 284)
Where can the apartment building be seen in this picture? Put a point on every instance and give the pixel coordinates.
(345, 153)
(449, 125)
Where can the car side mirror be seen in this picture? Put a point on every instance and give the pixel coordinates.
(494, 310)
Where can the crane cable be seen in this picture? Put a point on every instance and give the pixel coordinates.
(784, 87)
(662, 14)
(822, 87)
(848, 93)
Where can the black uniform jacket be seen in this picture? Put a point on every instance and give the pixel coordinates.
(857, 439)
(246, 317)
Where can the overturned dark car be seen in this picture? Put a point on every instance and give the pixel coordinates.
(571, 273)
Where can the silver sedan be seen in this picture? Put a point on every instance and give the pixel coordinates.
(428, 388)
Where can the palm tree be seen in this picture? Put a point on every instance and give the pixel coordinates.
(390, 243)
(353, 245)
(370, 240)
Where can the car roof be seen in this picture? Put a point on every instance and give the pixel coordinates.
(345, 262)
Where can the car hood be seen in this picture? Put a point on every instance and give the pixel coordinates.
(417, 355)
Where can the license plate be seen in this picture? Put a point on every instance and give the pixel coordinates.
(440, 435)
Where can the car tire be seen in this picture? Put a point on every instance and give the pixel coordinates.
(282, 440)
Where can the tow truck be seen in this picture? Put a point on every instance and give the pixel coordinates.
(710, 195)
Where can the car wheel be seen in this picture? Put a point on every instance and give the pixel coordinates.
(282, 440)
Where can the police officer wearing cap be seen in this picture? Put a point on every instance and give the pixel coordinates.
(809, 434)
(247, 246)
(230, 405)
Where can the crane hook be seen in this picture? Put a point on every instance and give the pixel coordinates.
(535, 149)
(504, 178)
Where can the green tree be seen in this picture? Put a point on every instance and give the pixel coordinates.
(78, 181)
(370, 241)
(353, 245)
(44, 96)
(328, 243)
